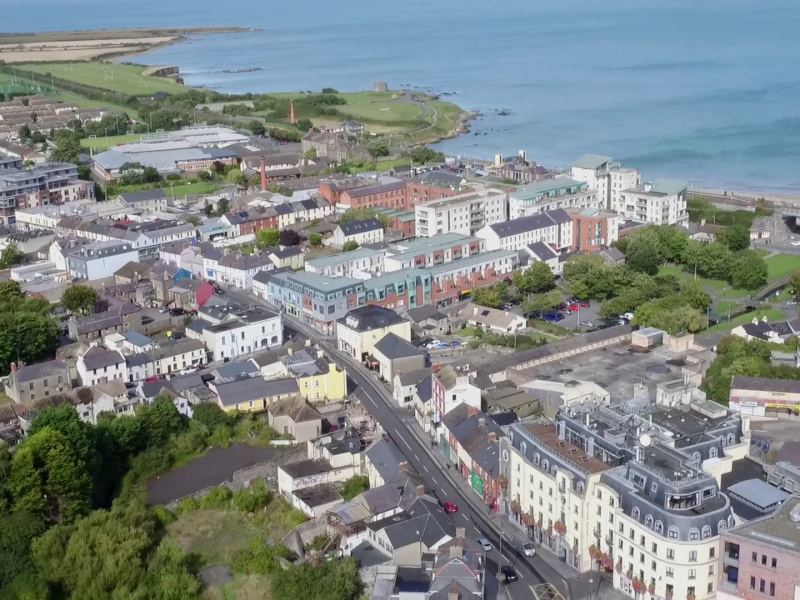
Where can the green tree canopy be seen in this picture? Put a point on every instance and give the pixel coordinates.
(350, 246)
(362, 214)
(546, 301)
(487, 296)
(736, 237)
(315, 239)
(536, 279)
(267, 238)
(11, 256)
(80, 299)
(748, 271)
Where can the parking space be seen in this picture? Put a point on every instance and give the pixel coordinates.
(572, 320)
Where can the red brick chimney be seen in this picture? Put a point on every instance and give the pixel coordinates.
(264, 178)
(420, 490)
(291, 112)
(492, 436)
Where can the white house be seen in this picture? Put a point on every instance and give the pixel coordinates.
(552, 227)
(368, 231)
(359, 331)
(100, 259)
(238, 270)
(463, 213)
(176, 356)
(99, 365)
(606, 177)
(257, 329)
(450, 389)
(139, 367)
(495, 320)
(539, 251)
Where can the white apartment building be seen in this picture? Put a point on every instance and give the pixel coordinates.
(561, 192)
(464, 213)
(368, 231)
(100, 259)
(662, 202)
(241, 335)
(423, 252)
(553, 228)
(607, 177)
(98, 365)
(348, 264)
(236, 270)
(48, 216)
(637, 493)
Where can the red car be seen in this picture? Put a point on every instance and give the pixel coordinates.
(450, 507)
(585, 304)
(574, 308)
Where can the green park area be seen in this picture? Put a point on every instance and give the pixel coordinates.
(124, 79)
(102, 143)
(781, 265)
(718, 287)
(771, 314)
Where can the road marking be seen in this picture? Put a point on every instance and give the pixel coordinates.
(403, 439)
(415, 456)
(426, 469)
(434, 480)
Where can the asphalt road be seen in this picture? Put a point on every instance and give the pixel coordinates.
(376, 399)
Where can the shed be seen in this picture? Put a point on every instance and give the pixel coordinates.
(647, 337)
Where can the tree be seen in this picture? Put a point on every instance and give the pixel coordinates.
(536, 279)
(17, 531)
(208, 209)
(11, 256)
(349, 246)
(748, 271)
(235, 177)
(381, 148)
(304, 124)
(711, 260)
(48, 478)
(267, 238)
(223, 206)
(210, 415)
(736, 237)
(695, 296)
(160, 419)
(204, 176)
(257, 127)
(24, 133)
(643, 255)
(794, 284)
(80, 299)
(68, 149)
(354, 486)
(422, 155)
(310, 153)
(487, 296)
(289, 237)
(193, 220)
(542, 302)
(315, 239)
(581, 264)
(99, 557)
(151, 175)
(334, 580)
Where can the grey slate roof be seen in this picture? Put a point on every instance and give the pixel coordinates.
(287, 252)
(425, 389)
(415, 377)
(369, 317)
(133, 198)
(134, 337)
(138, 360)
(386, 457)
(523, 224)
(393, 347)
(356, 226)
(488, 457)
(98, 358)
(376, 189)
(425, 312)
(254, 388)
(40, 370)
(542, 251)
(781, 386)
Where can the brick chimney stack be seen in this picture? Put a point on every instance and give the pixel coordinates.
(264, 179)
(291, 112)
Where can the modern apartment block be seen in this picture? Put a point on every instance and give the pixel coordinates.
(593, 229)
(431, 252)
(463, 213)
(638, 493)
(554, 228)
(561, 192)
(607, 177)
(662, 202)
(42, 185)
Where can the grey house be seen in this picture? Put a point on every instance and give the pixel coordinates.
(295, 417)
(427, 320)
(31, 382)
(394, 355)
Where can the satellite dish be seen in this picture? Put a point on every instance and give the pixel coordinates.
(645, 440)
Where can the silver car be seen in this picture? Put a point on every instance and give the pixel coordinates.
(529, 549)
(485, 544)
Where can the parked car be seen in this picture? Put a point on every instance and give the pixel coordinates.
(537, 314)
(586, 324)
(628, 316)
(442, 345)
(508, 574)
(529, 549)
(485, 544)
(450, 507)
(177, 312)
(455, 344)
(561, 306)
(432, 344)
(574, 307)
(585, 304)
(554, 317)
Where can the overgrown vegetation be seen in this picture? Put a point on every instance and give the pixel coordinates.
(700, 209)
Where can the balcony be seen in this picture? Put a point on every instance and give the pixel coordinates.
(598, 532)
(610, 538)
(731, 559)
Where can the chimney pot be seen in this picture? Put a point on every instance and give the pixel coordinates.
(472, 411)
(456, 552)
(403, 466)
(420, 490)
(492, 436)
(461, 532)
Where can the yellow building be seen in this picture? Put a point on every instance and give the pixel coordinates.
(253, 394)
(319, 379)
(291, 257)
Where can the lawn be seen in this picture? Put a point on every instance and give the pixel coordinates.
(781, 265)
(192, 188)
(241, 587)
(125, 79)
(718, 287)
(101, 143)
(771, 314)
(385, 165)
(723, 306)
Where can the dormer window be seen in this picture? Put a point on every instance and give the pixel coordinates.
(694, 534)
(648, 521)
(535, 458)
(721, 526)
(713, 452)
(659, 527)
(672, 533)
(706, 532)
(545, 465)
(635, 513)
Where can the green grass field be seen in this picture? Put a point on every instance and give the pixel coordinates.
(720, 288)
(100, 144)
(125, 79)
(781, 265)
(192, 188)
(771, 314)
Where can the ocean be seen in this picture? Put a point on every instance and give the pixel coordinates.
(701, 90)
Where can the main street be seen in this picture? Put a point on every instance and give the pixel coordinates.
(473, 514)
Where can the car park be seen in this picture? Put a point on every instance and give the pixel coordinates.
(508, 574)
(574, 307)
(585, 324)
(554, 317)
(585, 304)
